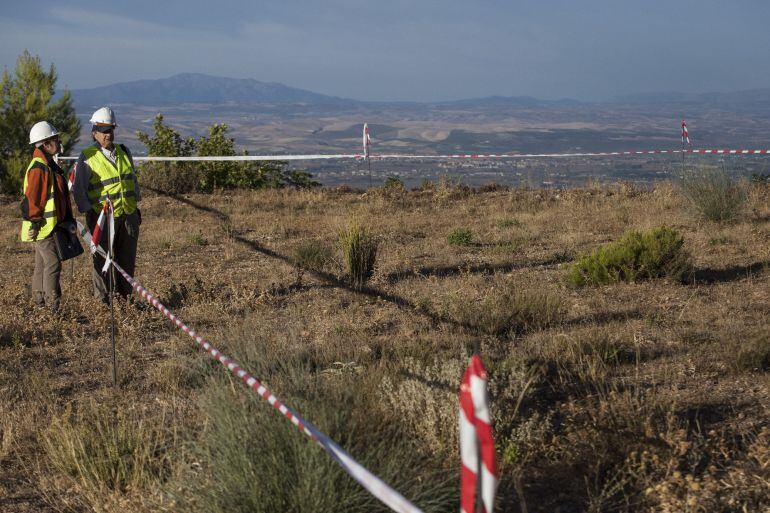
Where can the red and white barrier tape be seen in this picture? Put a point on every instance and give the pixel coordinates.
(479, 477)
(247, 158)
(369, 481)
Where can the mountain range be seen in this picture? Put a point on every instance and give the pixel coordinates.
(197, 88)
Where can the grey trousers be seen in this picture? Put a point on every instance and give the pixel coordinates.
(124, 250)
(46, 289)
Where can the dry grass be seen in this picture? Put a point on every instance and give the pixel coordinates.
(647, 396)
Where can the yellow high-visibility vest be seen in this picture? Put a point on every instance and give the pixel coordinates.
(115, 181)
(49, 211)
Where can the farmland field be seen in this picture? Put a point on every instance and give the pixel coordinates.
(642, 396)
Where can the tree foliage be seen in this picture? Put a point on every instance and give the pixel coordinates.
(28, 95)
(207, 176)
(166, 142)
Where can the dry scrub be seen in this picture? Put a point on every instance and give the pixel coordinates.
(643, 396)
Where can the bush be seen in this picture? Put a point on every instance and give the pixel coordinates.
(256, 461)
(171, 178)
(460, 237)
(652, 254)
(712, 192)
(312, 255)
(393, 184)
(509, 309)
(184, 177)
(250, 458)
(359, 252)
(748, 350)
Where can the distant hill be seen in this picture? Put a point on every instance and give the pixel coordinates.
(187, 88)
(753, 99)
(199, 88)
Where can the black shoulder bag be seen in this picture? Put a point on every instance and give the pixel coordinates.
(66, 242)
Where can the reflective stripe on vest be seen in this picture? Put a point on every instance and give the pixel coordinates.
(49, 211)
(115, 181)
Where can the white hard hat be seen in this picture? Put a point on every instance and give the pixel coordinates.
(103, 116)
(41, 131)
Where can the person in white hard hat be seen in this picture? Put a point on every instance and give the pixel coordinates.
(104, 170)
(46, 203)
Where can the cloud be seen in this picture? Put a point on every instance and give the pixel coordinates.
(406, 50)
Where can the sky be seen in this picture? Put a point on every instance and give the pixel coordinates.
(410, 50)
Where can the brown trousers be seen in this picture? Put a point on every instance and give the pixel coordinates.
(46, 289)
(124, 251)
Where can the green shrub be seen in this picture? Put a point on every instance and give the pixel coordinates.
(359, 252)
(181, 177)
(393, 184)
(460, 237)
(508, 222)
(652, 254)
(712, 193)
(198, 239)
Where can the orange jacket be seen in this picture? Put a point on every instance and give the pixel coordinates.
(37, 190)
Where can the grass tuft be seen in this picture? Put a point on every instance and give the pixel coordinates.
(312, 255)
(359, 252)
(460, 237)
(713, 193)
(102, 451)
(508, 309)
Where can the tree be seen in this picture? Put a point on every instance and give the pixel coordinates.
(206, 176)
(166, 142)
(26, 97)
(173, 177)
(234, 175)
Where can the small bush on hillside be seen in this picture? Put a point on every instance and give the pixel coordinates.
(312, 255)
(749, 351)
(653, 254)
(181, 177)
(426, 185)
(460, 237)
(451, 190)
(359, 252)
(393, 183)
(713, 193)
(510, 310)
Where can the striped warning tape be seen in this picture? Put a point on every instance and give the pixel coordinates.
(342, 156)
(372, 483)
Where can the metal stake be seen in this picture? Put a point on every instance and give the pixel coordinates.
(112, 311)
